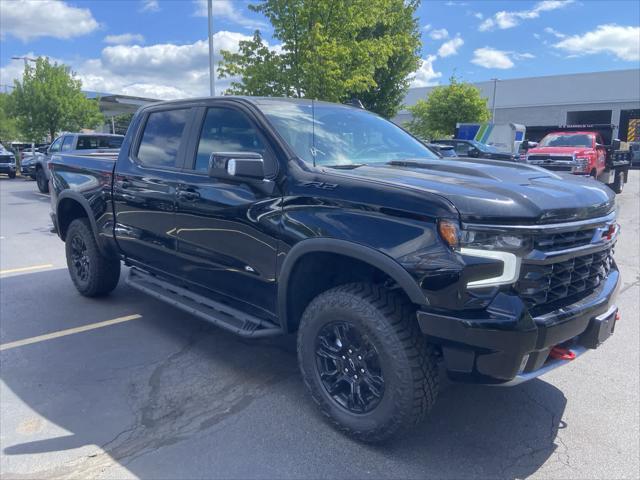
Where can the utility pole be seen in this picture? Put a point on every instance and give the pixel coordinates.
(212, 73)
(26, 60)
(493, 107)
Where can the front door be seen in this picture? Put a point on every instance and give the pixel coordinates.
(227, 228)
(144, 190)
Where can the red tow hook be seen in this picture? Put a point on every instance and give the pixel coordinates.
(560, 353)
(618, 316)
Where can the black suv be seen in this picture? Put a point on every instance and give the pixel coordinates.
(270, 216)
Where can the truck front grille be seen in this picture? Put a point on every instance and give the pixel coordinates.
(551, 283)
(562, 241)
(6, 159)
(553, 158)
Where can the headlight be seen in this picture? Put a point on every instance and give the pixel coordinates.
(502, 247)
(581, 164)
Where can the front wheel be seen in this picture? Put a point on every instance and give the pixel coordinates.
(12, 175)
(41, 180)
(365, 362)
(93, 273)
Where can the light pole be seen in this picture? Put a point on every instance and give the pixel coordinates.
(493, 106)
(212, 74)
(26, 60)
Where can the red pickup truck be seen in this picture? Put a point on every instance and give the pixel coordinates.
(583, 151)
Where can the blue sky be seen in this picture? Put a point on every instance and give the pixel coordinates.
(158, 48)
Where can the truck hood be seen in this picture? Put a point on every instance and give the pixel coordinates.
(490, 191)
(559, 150)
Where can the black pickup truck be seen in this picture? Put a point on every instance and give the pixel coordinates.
(271, 216)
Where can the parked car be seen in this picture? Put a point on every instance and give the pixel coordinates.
(75, 143)
(269, 216)
(442, 150)
(7, 162)
(474, 149)
(584, 150)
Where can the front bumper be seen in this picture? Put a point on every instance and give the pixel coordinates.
(28, 170)
(7, 167)
(504, 344)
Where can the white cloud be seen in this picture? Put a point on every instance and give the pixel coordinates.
(623, 42)
(439, 34)
(150, 6)
(555, 33)
(427, 27)
(451, 47)
(226, 9)
(488, 57)
(478, 15)
(161, 71)
(425, 76)
(504, 19)
(28, 19)
(124, 39)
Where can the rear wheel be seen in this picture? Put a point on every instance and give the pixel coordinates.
(365, 362)
(93, 273)
(41, 179)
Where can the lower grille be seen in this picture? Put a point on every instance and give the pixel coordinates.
(561, 158)
(543, 284)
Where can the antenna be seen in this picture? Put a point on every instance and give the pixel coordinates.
(313, 131)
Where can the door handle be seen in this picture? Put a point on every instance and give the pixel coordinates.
(188, 195)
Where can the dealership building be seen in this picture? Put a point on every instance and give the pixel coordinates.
(583, 98)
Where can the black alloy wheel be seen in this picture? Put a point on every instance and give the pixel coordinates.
(349, 367)
(80, 258)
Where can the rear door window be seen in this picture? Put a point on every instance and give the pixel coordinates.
(162, 137)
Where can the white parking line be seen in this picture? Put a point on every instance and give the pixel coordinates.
(26, 269)
(68, 331)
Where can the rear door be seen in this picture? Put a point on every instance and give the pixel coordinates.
(227, 228)
(144, 189)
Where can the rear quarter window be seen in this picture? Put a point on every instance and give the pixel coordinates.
(161, 138)
(95, 142)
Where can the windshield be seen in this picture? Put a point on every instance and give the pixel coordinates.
(86, 142)
(341, 136)
(483, 147)
(564, 140)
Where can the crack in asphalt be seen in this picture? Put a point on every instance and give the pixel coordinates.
(185, 394)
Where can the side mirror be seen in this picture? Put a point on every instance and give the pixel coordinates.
(527, 144)
(615, 145)
(473, 152)
(247, 165)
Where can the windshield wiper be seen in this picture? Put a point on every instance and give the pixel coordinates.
(346, 166)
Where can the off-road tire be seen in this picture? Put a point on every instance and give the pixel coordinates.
(103, 272)
(41, 180)
(408, 363)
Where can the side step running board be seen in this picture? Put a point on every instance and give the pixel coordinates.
(219, 314)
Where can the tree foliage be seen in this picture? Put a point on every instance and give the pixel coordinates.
(331, 50)
(49, 100)
(9, 130)
(447, 105)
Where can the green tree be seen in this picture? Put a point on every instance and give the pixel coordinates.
(49, 100)
(9, 130)
(447, 105)
(331, 50)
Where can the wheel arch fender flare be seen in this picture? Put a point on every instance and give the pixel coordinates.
(366, 254)
(70, 195)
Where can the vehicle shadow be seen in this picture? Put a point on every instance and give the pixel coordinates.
(168, 378)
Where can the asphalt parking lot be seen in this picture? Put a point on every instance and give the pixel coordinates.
(160, 394)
